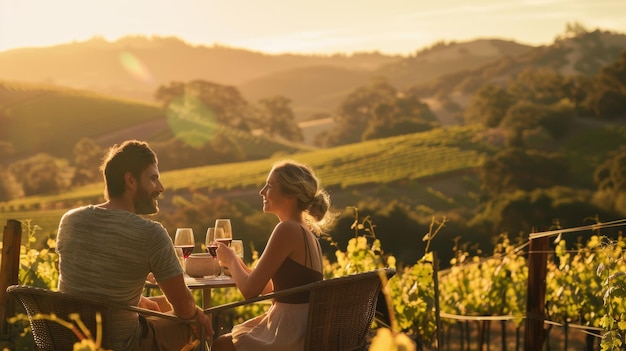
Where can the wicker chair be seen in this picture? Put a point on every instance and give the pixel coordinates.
(341, 309)
(340, 316)
(52, 336)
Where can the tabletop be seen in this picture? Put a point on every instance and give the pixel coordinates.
(201, 283)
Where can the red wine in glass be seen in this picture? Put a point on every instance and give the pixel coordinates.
(187, 249)
(212, 249)
(225, 241)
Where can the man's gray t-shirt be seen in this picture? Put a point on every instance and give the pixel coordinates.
(107, 254)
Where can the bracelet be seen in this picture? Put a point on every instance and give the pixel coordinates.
(192, 317)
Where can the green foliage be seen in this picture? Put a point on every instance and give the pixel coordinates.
(9, 186)
(87, 342)
(607, 95)
(378, 110)
(573, 291)
(211, 149)
(383, 161)
(526, 212)
(611, 182)
(37, 267)
(489, 105)
(495, 285)
(87, 158)
(207, 101)
(610, 273)
(589, 149)
(538, 86)
(404, 115)
(41, 174)
(36, 117)
(520, 169)
(278, 119)
(584, 286)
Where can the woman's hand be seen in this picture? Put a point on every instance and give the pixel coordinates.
(226, 256)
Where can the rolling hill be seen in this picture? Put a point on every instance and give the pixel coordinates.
(404, 160)
(584, 54)
(134, 67)
(46, 118)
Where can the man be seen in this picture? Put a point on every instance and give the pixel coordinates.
(106, 251)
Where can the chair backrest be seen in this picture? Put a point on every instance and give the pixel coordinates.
(341, 311)
(50, 335)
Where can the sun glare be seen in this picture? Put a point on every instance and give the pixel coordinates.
(135, 67)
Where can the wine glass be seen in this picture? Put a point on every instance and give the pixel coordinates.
(212, 234)
(211, 244)
(237, 246)
(185, 241)
(225, 236)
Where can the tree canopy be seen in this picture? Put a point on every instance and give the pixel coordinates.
(378, 110)
(278, 118)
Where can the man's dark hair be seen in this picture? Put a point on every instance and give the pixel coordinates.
(131, 156)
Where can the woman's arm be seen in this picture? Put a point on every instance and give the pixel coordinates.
(269, 287)
(253, 282)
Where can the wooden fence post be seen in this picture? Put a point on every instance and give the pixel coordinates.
(437, 307)
(9, 269)
(536, 294)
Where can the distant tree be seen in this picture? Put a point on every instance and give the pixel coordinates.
(541, 86)
(607, 98)
(610, 179)
(87, 158)
(206, 102)
(403, 115)
(165, 94)
(576, 89)
(518, 169)
(524, 116)
(377, 110)
(574, 29)
(41, 174)
(453, 108)
(523, 212)
(489, 105)
(9, 187)
(558, 118)
(278, 119)
(6, 150)
(222, 149)
(175, 153)
(356, 110)
(519, 117)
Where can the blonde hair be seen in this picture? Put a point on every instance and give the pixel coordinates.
(299, 180)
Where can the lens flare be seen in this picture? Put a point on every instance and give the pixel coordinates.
(135, 67)
(191, 120)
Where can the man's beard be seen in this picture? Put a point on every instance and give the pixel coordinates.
(145, 203)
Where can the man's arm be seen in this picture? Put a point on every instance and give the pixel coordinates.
(183, 302)
(179, 296)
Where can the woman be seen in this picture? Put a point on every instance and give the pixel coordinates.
(292, 257)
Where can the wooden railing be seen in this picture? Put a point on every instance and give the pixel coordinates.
(9, 269)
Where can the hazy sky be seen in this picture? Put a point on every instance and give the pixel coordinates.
(304, 26)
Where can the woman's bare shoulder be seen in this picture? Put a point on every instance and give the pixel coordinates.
(287, 228)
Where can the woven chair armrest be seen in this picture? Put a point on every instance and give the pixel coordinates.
(227, 306)
(387, 272)
(152, 313)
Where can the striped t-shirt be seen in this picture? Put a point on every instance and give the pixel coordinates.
(107, 254)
